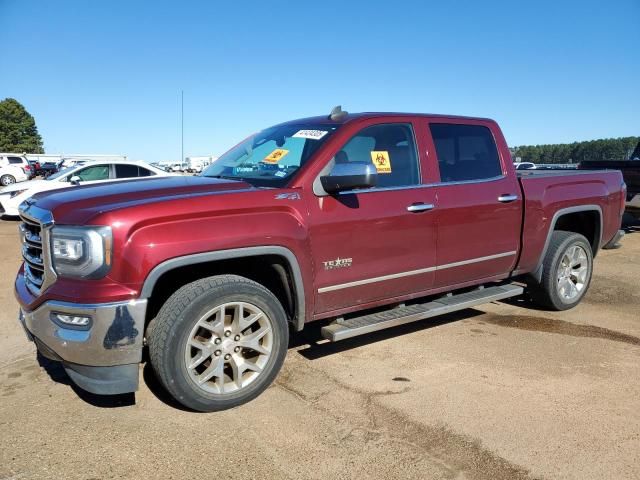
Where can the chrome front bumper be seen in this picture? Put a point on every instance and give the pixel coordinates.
(113, 338)
(102, 359)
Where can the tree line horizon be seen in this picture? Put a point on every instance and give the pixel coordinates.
(604, 149)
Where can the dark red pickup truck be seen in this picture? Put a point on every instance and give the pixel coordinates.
(362, 221)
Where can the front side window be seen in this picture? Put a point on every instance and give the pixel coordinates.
(392, 150)
(465, 152)
(270, 157)
(93, 173)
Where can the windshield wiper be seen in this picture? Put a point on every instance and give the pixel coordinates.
(225, 177)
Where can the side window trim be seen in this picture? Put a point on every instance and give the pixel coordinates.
(320, 192)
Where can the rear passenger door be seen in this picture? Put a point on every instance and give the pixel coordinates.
(479, 208)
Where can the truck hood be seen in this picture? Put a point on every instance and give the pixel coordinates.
(77, 205)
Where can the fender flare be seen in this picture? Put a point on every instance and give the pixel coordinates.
(204, 257)
(537, 273)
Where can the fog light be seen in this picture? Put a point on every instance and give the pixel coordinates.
(73, 321)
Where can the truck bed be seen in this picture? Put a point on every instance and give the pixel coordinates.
(546, 193)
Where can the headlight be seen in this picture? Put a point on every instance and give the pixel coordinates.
(81, 252)
(16, 193)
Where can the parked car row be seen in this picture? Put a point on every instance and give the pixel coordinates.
(14, 168)
(78, 173)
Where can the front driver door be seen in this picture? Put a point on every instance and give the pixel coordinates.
(374, 245)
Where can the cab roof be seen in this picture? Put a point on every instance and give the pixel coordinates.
(349, 117)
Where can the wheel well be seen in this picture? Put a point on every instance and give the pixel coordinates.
(586, 223)
(271, 271)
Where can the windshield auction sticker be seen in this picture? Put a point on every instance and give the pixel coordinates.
(310, 134)
(380, 159)
(275, 156)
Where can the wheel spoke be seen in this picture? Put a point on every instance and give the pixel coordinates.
(240, 322)
(215, 326)
(581, 274)
(252, 341)
(237, 369)
(238, 318)
(215, 369)
(202, 356)
(197, 344)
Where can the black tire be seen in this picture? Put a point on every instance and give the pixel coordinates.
(172, 330)
(547, 292)
(7, 180)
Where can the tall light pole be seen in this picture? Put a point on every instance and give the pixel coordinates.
(181, 127)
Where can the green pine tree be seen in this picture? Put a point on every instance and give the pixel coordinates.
(18, 131)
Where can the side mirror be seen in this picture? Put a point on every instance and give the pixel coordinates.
(75, 180)
(348, 176)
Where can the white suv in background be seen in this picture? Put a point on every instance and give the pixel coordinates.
(13, 168)
(86, 174)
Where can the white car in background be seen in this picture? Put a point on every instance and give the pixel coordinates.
(13, 168)
(86, 174)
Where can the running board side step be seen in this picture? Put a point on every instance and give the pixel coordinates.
(412, 313)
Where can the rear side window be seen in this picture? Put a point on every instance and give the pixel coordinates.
(391, 148)
(126, 171)
(16, 160)
(131, 171)
(465, 152)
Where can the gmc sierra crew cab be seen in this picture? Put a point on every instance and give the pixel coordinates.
(360, 221)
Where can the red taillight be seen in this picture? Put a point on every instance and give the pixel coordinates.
(623, 198)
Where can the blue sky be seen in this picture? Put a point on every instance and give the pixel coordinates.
(105, 77)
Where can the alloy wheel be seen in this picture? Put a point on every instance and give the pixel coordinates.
(228, 347)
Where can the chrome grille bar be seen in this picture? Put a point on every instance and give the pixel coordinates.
(34, 235)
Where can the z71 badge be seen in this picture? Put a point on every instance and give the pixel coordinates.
(337, 263)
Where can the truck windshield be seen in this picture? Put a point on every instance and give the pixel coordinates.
(269, 158)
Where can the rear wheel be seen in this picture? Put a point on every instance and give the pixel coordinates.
(566, 271)
(7, 180)
(219, 342)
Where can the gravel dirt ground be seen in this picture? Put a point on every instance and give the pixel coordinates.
(498, 392)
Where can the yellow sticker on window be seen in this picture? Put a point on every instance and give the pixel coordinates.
(275, 156)
(380, 159)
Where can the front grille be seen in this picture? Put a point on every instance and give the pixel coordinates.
(34, 266)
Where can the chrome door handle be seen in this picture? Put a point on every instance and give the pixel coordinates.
(419, 207)
(507, 198)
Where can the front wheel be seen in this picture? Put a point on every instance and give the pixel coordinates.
(219, 342)
(7, 180)
(566, 271)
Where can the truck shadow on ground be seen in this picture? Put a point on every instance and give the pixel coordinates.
(311, 345)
